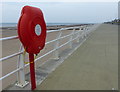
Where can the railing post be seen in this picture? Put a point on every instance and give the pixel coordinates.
(71, 37)
(87, 32)
(56, 52)
(78, 39)
(84, 30)
(21, 73)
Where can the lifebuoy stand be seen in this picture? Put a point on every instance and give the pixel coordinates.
(32, 34)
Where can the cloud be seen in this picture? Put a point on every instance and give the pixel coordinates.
(64, 12)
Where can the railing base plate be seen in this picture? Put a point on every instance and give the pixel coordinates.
(22, 85)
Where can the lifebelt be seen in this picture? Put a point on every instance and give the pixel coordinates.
(31, 17)
(32, 41)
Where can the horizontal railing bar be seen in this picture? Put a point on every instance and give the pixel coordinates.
(10, 56)
(16, 37)
(8, 38)
(66, 43)
(62, 29)
(57, 39)
(69, 35)
(51, 41)
(53, 31)
(45, 54)
(10, 73)
(69, 28)
(61, 38)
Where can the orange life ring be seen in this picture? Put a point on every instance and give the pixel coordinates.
(31, 18)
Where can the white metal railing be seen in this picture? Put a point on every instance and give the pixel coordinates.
(20, 68)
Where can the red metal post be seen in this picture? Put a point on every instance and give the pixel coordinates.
(32, 71)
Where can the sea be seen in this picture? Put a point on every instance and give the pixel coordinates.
(48, 24)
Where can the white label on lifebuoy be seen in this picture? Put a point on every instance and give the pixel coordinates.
(38, 30)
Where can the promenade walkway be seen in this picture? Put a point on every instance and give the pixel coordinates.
(93, 66)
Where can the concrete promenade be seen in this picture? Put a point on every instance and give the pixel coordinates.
(93, 66)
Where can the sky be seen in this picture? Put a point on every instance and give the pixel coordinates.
(64, 12)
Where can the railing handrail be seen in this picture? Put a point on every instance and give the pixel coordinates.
(16, 37)
(54, 49)
(49, 31)
(9, 38)
(35, 59)
(18, 53)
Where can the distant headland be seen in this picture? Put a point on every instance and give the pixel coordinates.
(116, 21)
